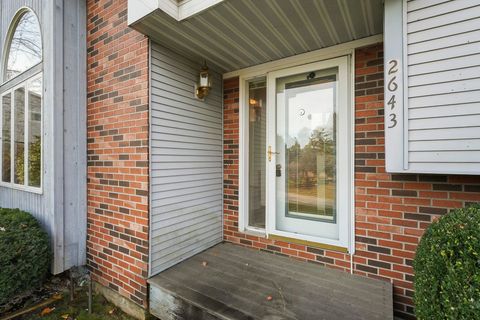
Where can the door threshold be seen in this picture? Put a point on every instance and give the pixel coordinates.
(309, 243)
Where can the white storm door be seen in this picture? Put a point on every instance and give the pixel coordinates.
(309, 152)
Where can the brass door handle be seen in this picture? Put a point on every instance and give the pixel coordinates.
(270, 152)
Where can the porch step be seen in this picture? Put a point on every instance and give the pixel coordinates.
(236, 283)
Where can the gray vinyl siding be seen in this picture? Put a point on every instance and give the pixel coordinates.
(61, 207)
(443, 52)
(186, 149)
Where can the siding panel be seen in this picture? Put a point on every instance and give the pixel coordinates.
(186, 161)
(441, 9)
(443, 31)
(445, 111)
(438, 21)
(443, 85)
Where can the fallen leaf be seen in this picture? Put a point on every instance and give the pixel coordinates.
(269, 298)
(46, 311)
(204, 263)
(57, 296)
(65, 316)
(111, 311)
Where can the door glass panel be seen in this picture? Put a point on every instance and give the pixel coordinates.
(257, 93)
(306, 139)
(6, 137)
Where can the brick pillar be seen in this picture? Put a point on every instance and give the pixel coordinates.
(117, 67)
(230, 156)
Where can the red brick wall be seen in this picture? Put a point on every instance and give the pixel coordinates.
(391, 210)
(117, 113)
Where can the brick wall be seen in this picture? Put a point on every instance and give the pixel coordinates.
(391, 210)
(117, 150)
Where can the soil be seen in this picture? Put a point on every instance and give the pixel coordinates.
(62, 307)
(53, 285)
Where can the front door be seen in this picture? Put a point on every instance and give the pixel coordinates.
(308, 152)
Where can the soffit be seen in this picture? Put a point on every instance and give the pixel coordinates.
(235, 34)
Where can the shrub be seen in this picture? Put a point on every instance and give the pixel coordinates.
(447, 267)
(24, 253)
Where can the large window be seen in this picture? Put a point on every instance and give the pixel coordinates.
(21, 105)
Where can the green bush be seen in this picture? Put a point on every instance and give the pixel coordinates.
(447, 267)
(24, 253)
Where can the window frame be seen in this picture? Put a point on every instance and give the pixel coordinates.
(9, 86)
(244, 154)
(12, 184)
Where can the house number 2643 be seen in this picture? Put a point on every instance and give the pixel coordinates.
(392, 87)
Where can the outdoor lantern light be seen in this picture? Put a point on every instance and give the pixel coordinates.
(205, 83)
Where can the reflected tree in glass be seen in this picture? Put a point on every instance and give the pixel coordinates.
(6, 137)
(19, 135)
(34, 132)
(25, 49)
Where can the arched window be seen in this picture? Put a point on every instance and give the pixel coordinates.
(21, 104)
(25, 47)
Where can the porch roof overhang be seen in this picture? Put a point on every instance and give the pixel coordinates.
(235, 34)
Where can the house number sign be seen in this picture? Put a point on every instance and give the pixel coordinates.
(394, 115)
(392, 87)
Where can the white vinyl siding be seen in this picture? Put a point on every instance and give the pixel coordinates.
(441, 43)
(186, 161)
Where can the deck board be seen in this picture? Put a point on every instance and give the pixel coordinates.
(236, 282)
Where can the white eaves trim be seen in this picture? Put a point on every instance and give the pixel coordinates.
(179, 10)
(304, 58)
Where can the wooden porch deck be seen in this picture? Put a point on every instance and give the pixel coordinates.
(236, 282)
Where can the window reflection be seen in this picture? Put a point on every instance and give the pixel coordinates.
(310, 148)
(19, 136)
(25, 47)
(34, 132)
(257, 94)
(6, 137)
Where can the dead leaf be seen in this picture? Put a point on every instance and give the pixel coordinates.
(57, 296)
(65, 316)
(111, 311)
(204, 263)
(46, 311)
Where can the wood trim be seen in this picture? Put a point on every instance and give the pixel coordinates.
(309, 243)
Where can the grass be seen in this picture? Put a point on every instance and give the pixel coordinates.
(77, 309)
(307, 199)
(329, 190)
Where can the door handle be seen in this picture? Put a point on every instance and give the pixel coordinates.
(270, 152)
